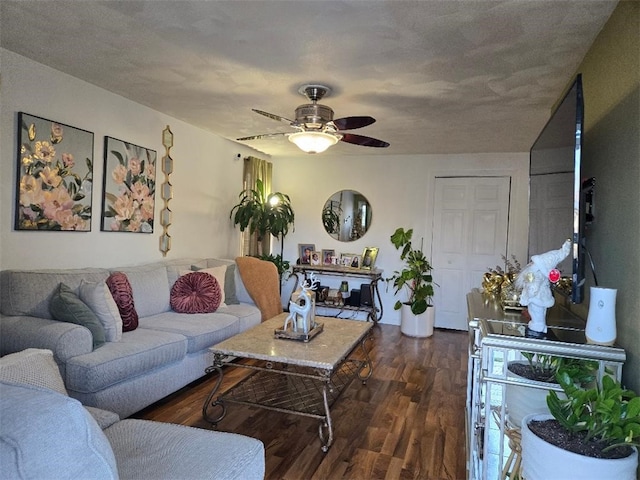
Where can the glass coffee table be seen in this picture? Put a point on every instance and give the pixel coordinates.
(289, 376)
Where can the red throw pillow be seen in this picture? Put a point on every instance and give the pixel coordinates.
(196, 292)
(122, 293)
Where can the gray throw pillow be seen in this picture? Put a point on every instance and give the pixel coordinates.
(65, 306)
(230, 297)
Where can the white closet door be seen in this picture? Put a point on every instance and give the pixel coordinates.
(471, 217)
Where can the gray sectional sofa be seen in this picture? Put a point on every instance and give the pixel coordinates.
(167, 351)
(45, 434)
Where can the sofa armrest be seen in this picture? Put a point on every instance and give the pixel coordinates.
(65, 340)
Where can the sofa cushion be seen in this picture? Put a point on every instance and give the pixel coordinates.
(67, 307)
(248, 315)
(29, 292)
(99, 299)
(122, 293)
(196, 292)
(202, 330)
(32, 366)
(155, 450)
(104, 418)
(150, 285)
(49, 435)
(140, 351)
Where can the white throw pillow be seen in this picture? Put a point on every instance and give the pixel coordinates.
(99, 299)
(32, 366)
(216, 272)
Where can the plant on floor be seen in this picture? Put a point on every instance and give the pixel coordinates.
(415, 277)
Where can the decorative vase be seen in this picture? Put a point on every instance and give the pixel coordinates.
(417, 325)
(522, 400)
(601, 320)
(544, 461)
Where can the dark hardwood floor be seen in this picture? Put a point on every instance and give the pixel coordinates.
(407, 422)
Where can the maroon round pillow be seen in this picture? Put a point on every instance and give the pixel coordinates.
(122, 293)
(196, 292)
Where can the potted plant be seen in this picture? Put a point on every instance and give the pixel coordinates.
(263, 215)
(417, 313)
(593, 433)
(540, 370)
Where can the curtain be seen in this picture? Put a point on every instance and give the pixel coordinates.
(255, 169)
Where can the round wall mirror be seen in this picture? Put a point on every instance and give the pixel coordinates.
(346, 216)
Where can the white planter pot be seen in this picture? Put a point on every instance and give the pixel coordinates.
(521, 400)
(417, 325)
(543, 461)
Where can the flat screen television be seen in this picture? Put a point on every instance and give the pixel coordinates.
(557, 208)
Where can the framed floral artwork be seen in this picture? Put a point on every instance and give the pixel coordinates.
(55, 176)
(129, 187)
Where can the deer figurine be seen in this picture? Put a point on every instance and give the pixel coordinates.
(301, 312)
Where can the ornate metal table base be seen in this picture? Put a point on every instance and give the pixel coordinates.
(287, 388)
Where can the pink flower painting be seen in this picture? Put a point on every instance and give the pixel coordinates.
(55, 176)
(129, 187)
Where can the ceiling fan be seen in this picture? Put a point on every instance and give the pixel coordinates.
(316, 130)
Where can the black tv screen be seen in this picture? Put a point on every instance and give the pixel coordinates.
(556, 211)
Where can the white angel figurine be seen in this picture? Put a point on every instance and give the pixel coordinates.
(535, 282)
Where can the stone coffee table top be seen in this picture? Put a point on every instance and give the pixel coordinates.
(325, 351)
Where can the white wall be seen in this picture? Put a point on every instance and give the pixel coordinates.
(400, 191)
(206, 179)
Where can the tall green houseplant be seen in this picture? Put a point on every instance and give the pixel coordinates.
(415, 277)
(263, 214)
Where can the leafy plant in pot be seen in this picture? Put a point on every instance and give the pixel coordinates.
(417, 313)
(593, 433)
(263, 214)
(540, 371)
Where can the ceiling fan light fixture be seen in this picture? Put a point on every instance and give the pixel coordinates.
(314, 142)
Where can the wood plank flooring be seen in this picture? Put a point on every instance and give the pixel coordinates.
(407, 422)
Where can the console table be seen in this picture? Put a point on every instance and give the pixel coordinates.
(495, 338)
(374, 311)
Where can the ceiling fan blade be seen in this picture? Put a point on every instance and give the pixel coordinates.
(260, 137)
(350, 123)
(273, 116)
(362, 140)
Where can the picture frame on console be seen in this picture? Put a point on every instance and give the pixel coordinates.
(305, 250)
(350, 260)
(369, 256)
(316, 258)
(327, 254)
(54, 176)
(128, 190)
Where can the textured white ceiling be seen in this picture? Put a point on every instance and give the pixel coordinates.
(441, 76)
